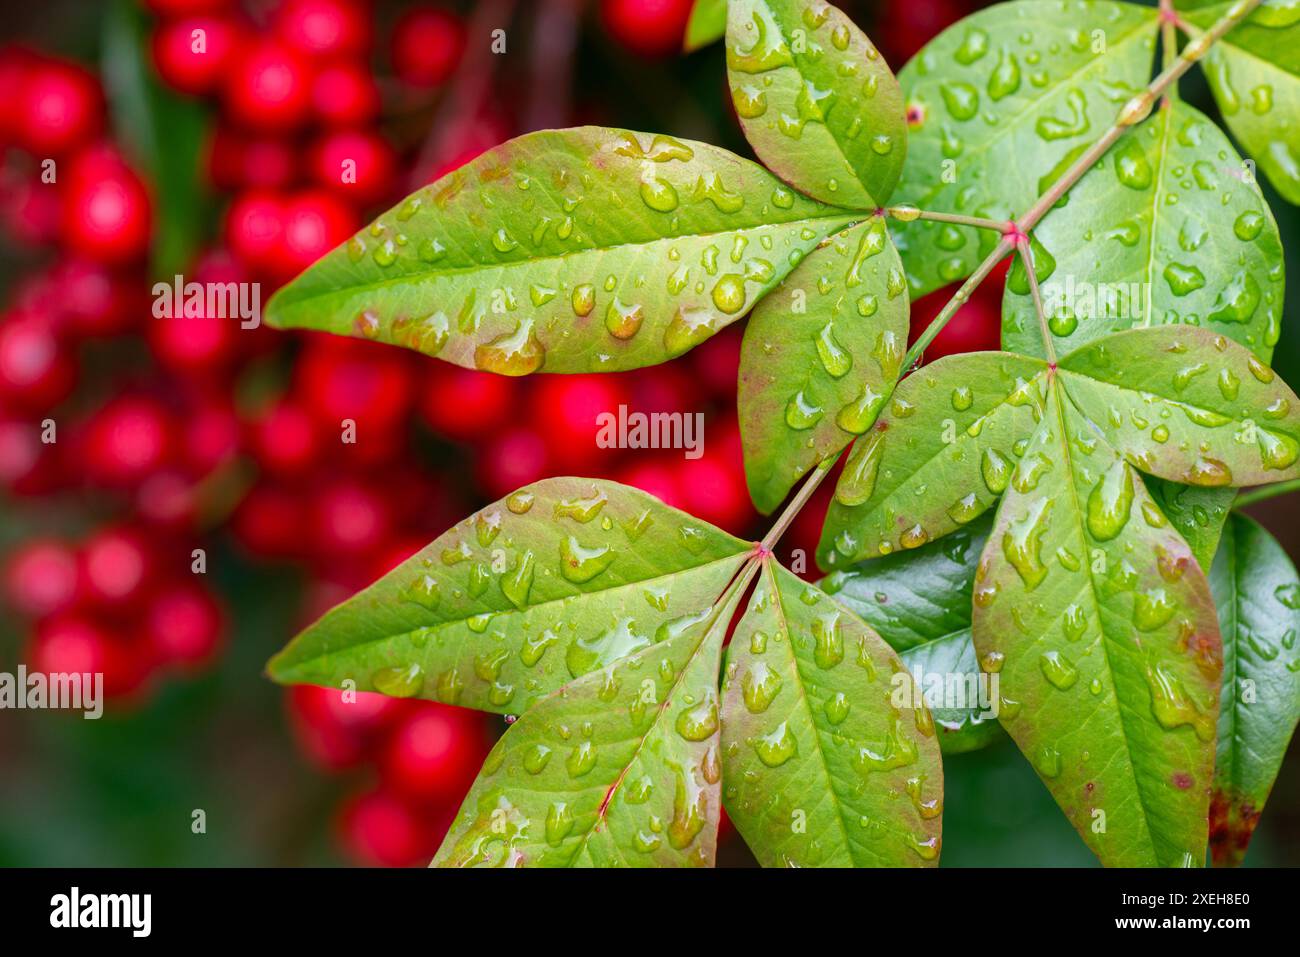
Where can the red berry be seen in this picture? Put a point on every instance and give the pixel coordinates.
(255, 229)
(435, 752)
(92, 300)
(465, 404)
(61, 107)
(715, 363)
(380, 830)
(33, 211)
(713, 486)
(41, 577)
(658, 476)
(269, 522)
(510, 460)
(651, 28)
(350, 517)
(285, 439)
(324, 28)
(126, 440)
(116, 564)
(366, 382)
(269, 87)
(427, 45)
(211, 437)
(28, 466)
(70, 644)
(345, 94)
(106, 213)
(356, 164)
(239, 161)
(183, 624)
(184, 8)
(192, 55)
(36, 372)
(167, 498)
(565, 411)
(314, 223)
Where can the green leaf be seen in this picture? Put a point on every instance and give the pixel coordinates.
(938, 456)
(1257, 593)
(1197, 512)
(554, 581)
(999, 105)
(1254, 72)
(824, 767)
(819, 357)
(1188, 405)
(707, 24)
(920, 602)
(1156, 248)
(1099, 624)
(618, 768)
(816, 100)
(577, 250)
(163, 133)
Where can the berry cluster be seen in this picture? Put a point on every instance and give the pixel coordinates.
(159, 441)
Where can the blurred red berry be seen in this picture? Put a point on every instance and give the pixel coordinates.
(427, 45)
(510, 459)
(126, 439)
(713, 486)
(241, 161)
(369, 383)
(91, 299)
(167, 499)
(337, 728)
(106, 214)
(565, 409)
(464, 404)
(356, 164)
(314, 223)
(324, 28)
(715, 363)
(255, 229)
(60, 107)
(350, 517)
(28, 466)
(192, 55)
(33, 211)
(210, 437)
(71, 644)
(41, 577)
(183, 624)
(345, 94)
(381, 830)
(269, 522)
(651, 28)
(116, 564)
(36, 371)
(182, 8)
(268, 86)
(285, 439)
(435, 752)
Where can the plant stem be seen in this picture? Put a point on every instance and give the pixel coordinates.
(1265, 492)
(909, 213)
(1168, 34)
(1025, 257)
(1132, 113)
(797, 503)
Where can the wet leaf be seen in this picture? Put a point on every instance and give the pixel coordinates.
(820, 356)
(1197, 512)
(920, 602)
(577, 250)
(825, 761)
(940, 453)
(1164, 230)
(554, 581)
(1254, 72)
(706, 25)
(1257, 593)
(618, 768)
(1099, 623)
(998, 106)
(1187, 405)
(816, 100)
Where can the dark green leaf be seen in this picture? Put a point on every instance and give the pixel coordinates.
(581, 250)
(820, 356)
(1257, 593)
(999, 104)
(1197, 512)
(1100, 626)
(1254, 72)
(939, 455)
(556, 580)
(618, 768)
(826, 761)
(919, 601)
(816, 100)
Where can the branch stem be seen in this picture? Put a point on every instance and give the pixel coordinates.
(797, 503)
(907, 214)
(1026, 257)
(1264, 492)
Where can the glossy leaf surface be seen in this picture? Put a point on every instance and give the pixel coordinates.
(556, 580)
(998, 106)
(820, 355)
(1163, 230)
(1257, 594)
(576, 250)
(618, 768)
(1100, 625)
(919, 601)
(816, 100)
(1254, 72)
(940, 453)
(706, 24)
(825, 762)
